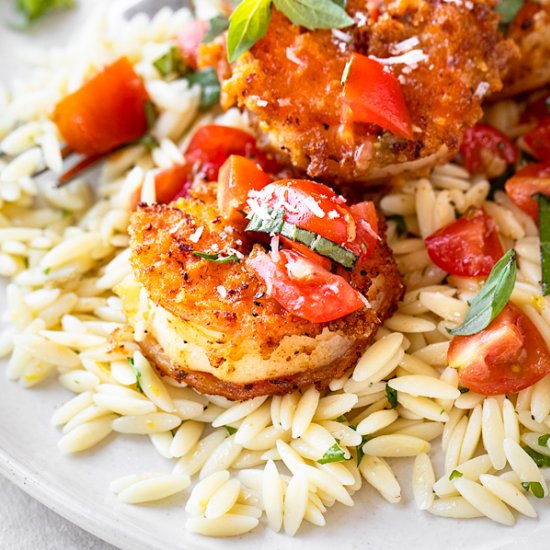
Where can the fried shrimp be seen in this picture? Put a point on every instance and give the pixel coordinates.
(447, 56)
(207, 319)
(530, 30)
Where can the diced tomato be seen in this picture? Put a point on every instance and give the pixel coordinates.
(173, 183)
(304, 288)
(506, 357)
(211, 145)
(317, 208)
(106, 112)
(238, 175)
(538, 140)
(536, 110)
(487, 150)
(374, 95)
(534, 178)
(468, 247)
(189, 39)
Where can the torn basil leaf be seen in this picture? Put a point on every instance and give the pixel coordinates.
(455, 474)
(492, 298)
(542, 461)
(543, 440)
(171, 63)
(216, 26)
(544, 229)
(230, 430)
(391, 396)
(137, 372)
(360, 452)
(315, 14)
(216, 258)
(208, 81)
(31, 10)
(334, 454)
(508, 9)
(535, 487)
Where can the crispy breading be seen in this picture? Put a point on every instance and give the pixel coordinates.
(290, 84)
(530, 30)
(223, 311)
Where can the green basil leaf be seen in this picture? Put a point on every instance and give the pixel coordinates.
(455, 474)
(230, 430)
(542, 461)
(31, 10)
(341, 3)
(334, 454)
(360, 452)
(215, 258)
(391, 396)
(492, 298)
(508, 9)
(216, 26)
(535, 487)
(315, 14)
(247, 24)
(171, 63)
(543, 440)
(150, 114)
(544, 229)
(272, 225)
(400, 223)
(208, 81)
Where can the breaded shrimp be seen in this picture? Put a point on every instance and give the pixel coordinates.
(447, 56)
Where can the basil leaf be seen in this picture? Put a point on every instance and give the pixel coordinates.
(542, 461)
(31, 10)
(150, 114)
(544, 229)
(492, 298)
(400, 223)
(247, 24)
(208, 81)
(315, 14)
(535, 487)
(391, 396)
(271, 225)
(215, 258)
(341, 3)
(543, 440)
(508, 9)
(360, 452)
(137, 372)
(216, 26)
(455, 474)
(334, 454)
(171, 63)
(230, 430)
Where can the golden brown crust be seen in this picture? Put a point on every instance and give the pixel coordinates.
(530, 30)
(290, 84)
(230, 299)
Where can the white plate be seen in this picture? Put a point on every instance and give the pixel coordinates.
(77, 487)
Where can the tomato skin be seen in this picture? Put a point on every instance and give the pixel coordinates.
(482, 144)
(304, 201)
(304, 288)
(506, 357)
(374, 95)
(536, 110)
(189, 39)
(534, 178)
(106, 112)
(173, 183)
(324, 262)
(538, 140)
(468, 247)
(238, 175)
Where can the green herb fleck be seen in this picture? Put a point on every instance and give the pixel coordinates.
(400, 223)
(543, 440)
(347, 69)
(463, 390)
(360, 452)
(150, 114)
(216, 26)
(542, 461)
(149, 141)
(492, 298)
(508, 9)
(31, 10)
(171, 63)
(455, 474)
(334, 454)
(544, 229)
(342, 419)
(137, 372)
(230, 430)
(47, 271)
(535, 487)
(391, 396)
(215, 258)
(209, 84)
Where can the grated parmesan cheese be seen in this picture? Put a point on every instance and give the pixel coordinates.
(410, 58)
(195, 237)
